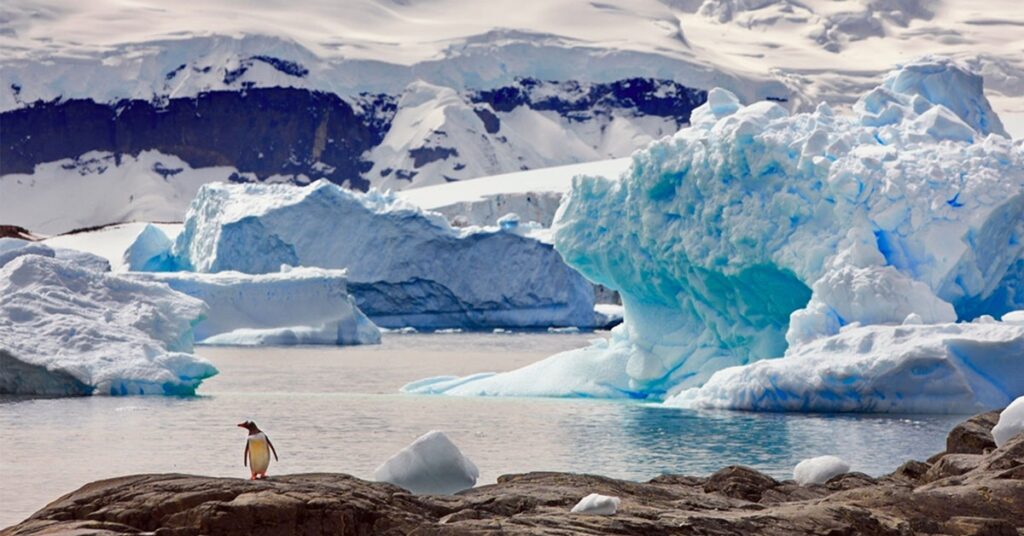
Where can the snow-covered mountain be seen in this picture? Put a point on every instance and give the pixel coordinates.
(402, 94)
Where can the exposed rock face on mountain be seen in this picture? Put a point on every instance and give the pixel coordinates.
(293, 131)
(980, 492)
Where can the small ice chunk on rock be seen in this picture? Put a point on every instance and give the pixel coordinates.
(596, 504)
(430, 465)
(819, 470)
(1011, 422)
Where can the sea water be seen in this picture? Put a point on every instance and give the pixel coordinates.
(338, 409)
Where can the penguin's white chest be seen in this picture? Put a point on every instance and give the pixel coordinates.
(259, 453)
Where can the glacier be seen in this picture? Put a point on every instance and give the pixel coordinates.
(71, 331)
(294, 306)
(405, 266)
(756, 234)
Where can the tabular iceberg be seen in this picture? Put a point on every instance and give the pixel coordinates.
(406, 267)
(294, 306)
(754, 231)
(68, 330)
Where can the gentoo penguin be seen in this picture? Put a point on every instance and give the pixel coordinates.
(257, 450)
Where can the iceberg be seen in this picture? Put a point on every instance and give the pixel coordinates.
(12, 248)
(755, 233)
(71, 331)
(406, 267)
(913, 368)
(150, 251)
(431, 464)
(293, 306)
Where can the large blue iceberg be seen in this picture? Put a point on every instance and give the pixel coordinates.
(405, 267)
(754, 233)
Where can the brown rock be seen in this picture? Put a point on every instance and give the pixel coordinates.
(740, 482)
(973, 436)
(984, 495)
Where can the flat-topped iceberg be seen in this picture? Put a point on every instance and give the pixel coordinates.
(68, 330)
(293, 306)
(755, 231)
(406, 267)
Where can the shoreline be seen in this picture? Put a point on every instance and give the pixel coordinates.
(970, 488)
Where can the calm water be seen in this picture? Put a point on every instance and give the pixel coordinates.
(337, 409)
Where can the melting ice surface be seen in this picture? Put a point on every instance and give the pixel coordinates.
(828, 239)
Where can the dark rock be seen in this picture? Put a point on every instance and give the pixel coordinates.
(973, 436)
(986, 499)
(952, 465)
(740, 482)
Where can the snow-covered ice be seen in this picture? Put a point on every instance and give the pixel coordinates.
(406, 267)
(819, 470)
(294, 306)
(69, 330)
(11, 248)
(1011, 422)
(597, 504)
(754, 231)
(430, 465)
(150, 251)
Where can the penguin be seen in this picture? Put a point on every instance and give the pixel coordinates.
(257, 451)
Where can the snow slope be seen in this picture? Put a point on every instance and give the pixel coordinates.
(407, 94)
(294, 306)
(755, 230)
(533, 195)
(69, 331)
(100, 189)
(406, 267)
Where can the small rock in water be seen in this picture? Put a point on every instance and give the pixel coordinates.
(596, 504)
(819, 470)
(431, 464)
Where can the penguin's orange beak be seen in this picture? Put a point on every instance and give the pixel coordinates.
(240, 425)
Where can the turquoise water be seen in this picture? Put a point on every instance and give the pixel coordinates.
(338, 409)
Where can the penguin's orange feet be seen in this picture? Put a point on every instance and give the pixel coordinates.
(253, 477)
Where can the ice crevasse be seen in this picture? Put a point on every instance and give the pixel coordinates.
(825, 238)
(405, 266)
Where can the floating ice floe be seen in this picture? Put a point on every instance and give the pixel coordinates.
(1011, 422)
(819, 470)
(758, 234)
(293, 306)
(69, 330)
(431, 464)
(596, 504)
(406, 267)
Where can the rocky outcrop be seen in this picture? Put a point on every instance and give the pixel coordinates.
(956, 493)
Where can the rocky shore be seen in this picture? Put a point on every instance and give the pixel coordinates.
(972, 488)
